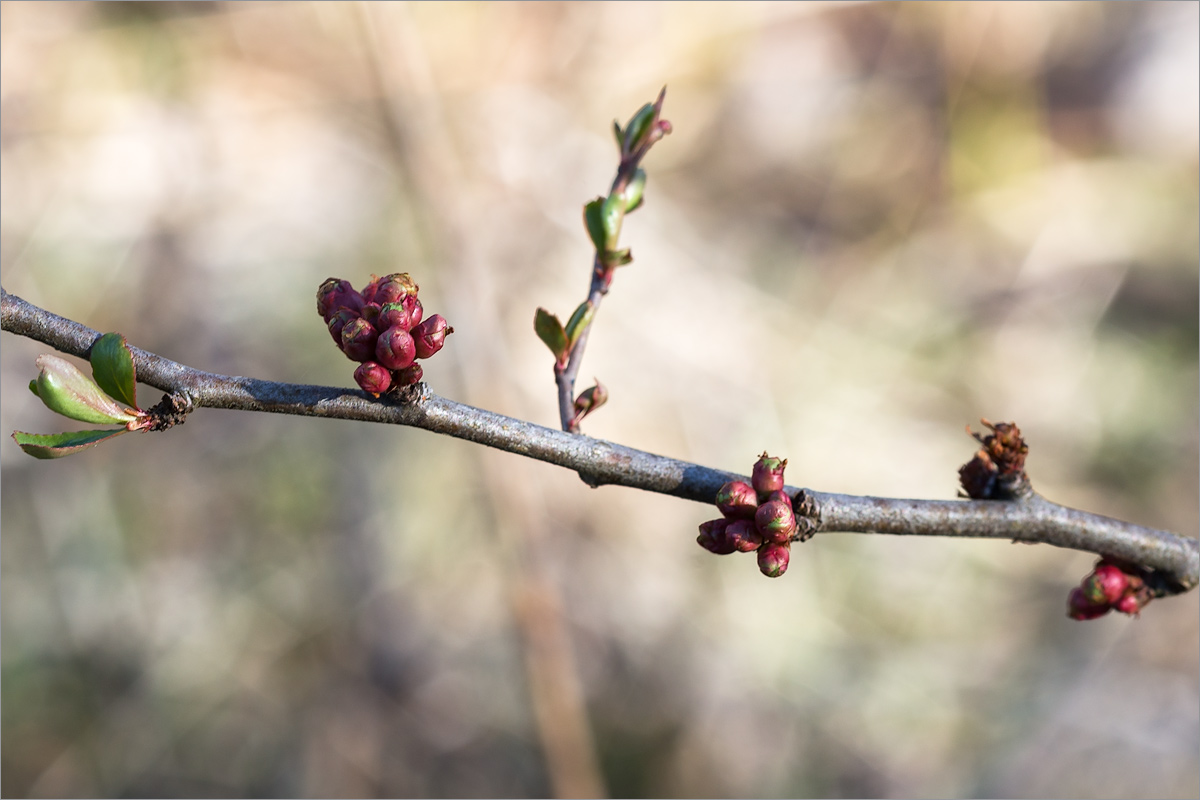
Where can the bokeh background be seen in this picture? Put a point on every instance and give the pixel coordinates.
(873, 225)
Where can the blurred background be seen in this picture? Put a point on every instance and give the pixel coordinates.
(873, 224)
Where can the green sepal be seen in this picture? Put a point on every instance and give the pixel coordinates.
(617, 258)
(579, 321)
(593, 218)
(58, 445)
(112, 367)
(635, 191)
(33, 388)
(550, 331)
(67, 391)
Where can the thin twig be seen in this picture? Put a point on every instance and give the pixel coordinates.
(598, 462)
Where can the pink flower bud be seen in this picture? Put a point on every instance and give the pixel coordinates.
(1106, 584)
(395, 349)
(392, 288)
(1079, 607)
(413, 305)
(742, 534)
(1134, 602)
(407, 376)
(334, 294)
(338, 321)
(736, 500)
(358, 340)
(373, 378)
(775, 521)
(773, 559)
(430, 335)
(713, 539)
(370, 312)
(768, 474)
(781, 496)
(396, 315)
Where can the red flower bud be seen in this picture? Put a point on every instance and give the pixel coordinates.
(768, 474)
(392, 288)
(1134, 602)
(775, 521)
(773, 559)
(430, 335)
(781, 496)
(395, 349)
(338, 321)
(1106, 584)
(736, 500)
(1079, 607)
(712, 537)
(370, 312)
(334, 294)
(396, 315)
(373, 378)
(407, 376)
(742, 534)
(358, 340)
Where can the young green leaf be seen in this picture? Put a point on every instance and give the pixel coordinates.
(593, 218)
(112, 367)
(67, 391)
(579, 322)
(635, 190)
(612, 212)
(57, 445)
(638, 126)
(617, 258)
(620, 136)
(550, 331)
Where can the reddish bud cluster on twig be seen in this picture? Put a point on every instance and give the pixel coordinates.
(1114, 585)
(754, 518)
(382, 328)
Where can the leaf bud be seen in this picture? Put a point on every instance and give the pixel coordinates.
(372, 377)
(358, 340)
(773, 559)
(395, 349)
(430, 335)
(736, 500)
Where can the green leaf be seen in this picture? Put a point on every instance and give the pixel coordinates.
(579, 322)
(67, 391)
(638, 125)
(611, 214)
(635, 190)
(112, 367)
(617, 258)
(593, 218)
(57, 445)
(620, 136)
(550, 331)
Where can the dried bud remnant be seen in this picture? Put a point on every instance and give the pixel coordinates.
(997, 472)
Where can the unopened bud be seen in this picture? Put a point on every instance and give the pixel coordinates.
(395, 315)
(743, 536)
(781, 496)
(334, 294)
(1079, 607)
(430, 335)
(395, 349)
(1106, 584)
(370, 312)
(768, 474)
(773, 559)
(392, 288)
(407, 376)
(373, 378)
(713, 539)
(338, 321)
(1134, 602)
(775, 521)
(736, 500)
(358, 340)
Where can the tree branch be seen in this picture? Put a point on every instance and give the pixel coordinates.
(1033, 519)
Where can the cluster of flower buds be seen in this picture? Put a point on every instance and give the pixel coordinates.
(1114, 585)
(754, 518)
(997, 472)
(382, 328)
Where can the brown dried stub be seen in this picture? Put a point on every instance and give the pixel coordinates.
(997, 472)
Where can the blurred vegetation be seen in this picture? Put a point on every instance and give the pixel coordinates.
(873, 224)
